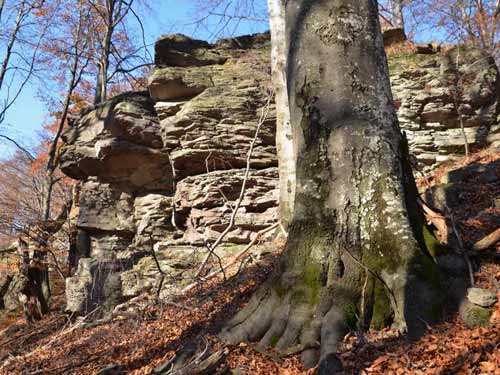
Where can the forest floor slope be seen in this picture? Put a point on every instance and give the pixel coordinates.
(152, 333)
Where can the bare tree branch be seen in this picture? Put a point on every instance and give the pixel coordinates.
(212, 247)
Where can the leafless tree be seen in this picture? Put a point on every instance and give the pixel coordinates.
(78, 59)
(392, 12)
(15, 73)
(112, 15)
(474, 21)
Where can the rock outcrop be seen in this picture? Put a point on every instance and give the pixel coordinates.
(437, 93)
(161, 170)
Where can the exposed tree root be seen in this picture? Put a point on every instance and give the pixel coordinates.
(290, 326)
(195, 359)
(312, 301)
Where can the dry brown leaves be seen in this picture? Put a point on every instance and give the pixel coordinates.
(141, 344)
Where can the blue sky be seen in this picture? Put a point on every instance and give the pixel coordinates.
(25, 119)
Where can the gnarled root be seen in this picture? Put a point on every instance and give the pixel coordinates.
(195, 359)
(289, 321)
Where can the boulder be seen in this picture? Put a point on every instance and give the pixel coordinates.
(427, 49)
(179, 83)
(206, 200)
(482, 297)
(108, 246)
(260, 41)
(393, 35)
(95, 287)
(215, 129)
(178, 263)
(118, 141)
(181, 51)
(474, 316)
(105, 207)
(11, 297)
(482, 173)
(153, 219)
(423, 86)
(160, 170)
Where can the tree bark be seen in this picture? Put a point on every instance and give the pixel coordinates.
(284, 136)
(102, 78)
(355, 252)
(113, 14)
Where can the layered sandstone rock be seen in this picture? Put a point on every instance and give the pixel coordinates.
(437, 93)
(161, 170)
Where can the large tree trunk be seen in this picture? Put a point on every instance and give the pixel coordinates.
(284, 136)
(355, 253)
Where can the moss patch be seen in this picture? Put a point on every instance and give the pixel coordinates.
(382, 310)
(274, 340)
(407, 60)
(474, 316)
(351, 312)
(427, 270)
(434, 247)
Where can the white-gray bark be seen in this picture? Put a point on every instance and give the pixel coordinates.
(284, 136)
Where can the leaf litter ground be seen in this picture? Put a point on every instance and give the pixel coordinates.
(57, 345)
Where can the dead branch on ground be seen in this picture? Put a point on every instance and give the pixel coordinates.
(488, 241)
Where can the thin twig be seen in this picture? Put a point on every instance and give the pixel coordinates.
(234, 260)
(212, 247)
(376, 275)
(162, 273)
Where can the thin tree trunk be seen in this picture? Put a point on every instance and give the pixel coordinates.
(396, 13)
(8, 53)
(102, 79)
(51, 160)
(105, 67)
(357, 231)
(457, 96)
(284, 136)
(44, 284)
(2, 3)
(466, 21)
(400, 19)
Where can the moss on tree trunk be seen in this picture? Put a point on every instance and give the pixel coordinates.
(356, 248)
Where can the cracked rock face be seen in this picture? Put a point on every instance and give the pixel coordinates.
(160, 170)
(435, 94)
